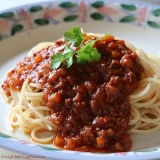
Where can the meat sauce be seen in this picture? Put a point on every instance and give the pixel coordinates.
(90, 103)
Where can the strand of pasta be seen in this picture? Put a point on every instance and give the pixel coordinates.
(28, 113)
(145, 100)
(40, 140)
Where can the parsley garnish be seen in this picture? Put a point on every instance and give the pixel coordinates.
(85, 54)
(56, 60)
(74, 35)
(59, 57)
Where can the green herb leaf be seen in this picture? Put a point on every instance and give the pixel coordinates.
(95, 54)
(69, 59)
(87, 54)
(74, 35)
(67, 49)
(56, 60)
(68, 55)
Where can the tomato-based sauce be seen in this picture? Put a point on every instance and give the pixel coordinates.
(90, 103)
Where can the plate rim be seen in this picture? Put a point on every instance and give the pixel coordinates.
(25, 149)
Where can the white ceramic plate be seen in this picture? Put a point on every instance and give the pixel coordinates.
(23, 27)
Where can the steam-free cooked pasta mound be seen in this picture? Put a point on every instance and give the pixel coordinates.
(89, 103)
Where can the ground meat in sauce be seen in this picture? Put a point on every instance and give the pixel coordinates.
(89, 103)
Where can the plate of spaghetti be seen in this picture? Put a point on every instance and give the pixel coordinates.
(81, 80)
